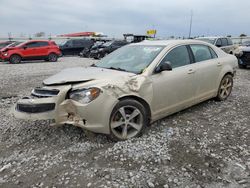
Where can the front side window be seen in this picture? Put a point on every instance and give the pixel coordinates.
(178, 57)
(201, 52)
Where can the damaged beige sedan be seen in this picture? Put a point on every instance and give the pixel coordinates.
(132, 87)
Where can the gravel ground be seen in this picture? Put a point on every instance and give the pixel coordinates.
(207, 145)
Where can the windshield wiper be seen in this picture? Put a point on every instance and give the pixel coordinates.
(119, 69)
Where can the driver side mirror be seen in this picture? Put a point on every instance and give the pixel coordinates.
(25, 47)
(218, 45)
(164, 66)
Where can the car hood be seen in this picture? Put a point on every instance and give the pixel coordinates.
(82, 74)
(4, 49)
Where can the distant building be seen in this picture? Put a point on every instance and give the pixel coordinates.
(83, 34)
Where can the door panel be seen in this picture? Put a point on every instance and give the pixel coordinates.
(208, 68)
(173, 90)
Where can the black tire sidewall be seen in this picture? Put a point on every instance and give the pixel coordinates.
(139, 106)
(11, 61)
(52, 59)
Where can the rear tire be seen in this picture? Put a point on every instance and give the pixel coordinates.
(52, 57)
(14, 59)
(225, 88)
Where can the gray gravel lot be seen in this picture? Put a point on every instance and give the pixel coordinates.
(207, 145)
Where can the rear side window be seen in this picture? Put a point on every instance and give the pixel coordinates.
(178, 57)
(229, 42)
(218, 42)
(224, 42)
(32, 45)
(201, 52)
(77, 43)
(42, 44)
(214, 55)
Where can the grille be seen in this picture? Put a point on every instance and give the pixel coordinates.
(42, 92)
(35, 108)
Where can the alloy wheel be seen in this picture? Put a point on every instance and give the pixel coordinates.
(225, 87)
(126, 122)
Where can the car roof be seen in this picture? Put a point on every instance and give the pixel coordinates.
(211, 37)
(169, 42)
(38, 41)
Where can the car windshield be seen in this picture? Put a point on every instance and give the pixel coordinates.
(107, 43)
(209, 40)
(135, 58)
(14, 44)
(3, 44)
(63, 42)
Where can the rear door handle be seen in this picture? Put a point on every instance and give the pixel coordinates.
(191, 71)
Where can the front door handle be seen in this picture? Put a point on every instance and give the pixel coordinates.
(191, 71)
(219, 64)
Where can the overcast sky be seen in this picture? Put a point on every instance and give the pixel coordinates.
(115, 17)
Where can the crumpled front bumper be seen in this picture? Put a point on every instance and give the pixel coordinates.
(93, 116)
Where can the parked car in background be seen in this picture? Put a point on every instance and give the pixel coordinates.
(86, 51)
(5, 43)
(225, 43)
(75, 46)
(31, 50)
(133, 86)
(244, 58)
(107, 48)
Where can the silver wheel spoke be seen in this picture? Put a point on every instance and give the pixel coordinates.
(222, 92)
(122, 112)
(229, 85)
(135, 126)
(116, 124)
(134, 114)
(127, 122)
(125, 132)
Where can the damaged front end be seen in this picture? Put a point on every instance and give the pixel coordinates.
(55, 103)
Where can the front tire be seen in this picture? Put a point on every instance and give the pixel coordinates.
(52, 57)
(128, 120)
(225, 88)
(14, 59)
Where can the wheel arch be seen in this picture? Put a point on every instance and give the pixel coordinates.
(139, 99)
(16, 54)
(52, 52)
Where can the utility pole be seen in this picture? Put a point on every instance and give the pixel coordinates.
(9, 36)
(190, 26)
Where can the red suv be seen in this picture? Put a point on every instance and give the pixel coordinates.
(31, 50)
